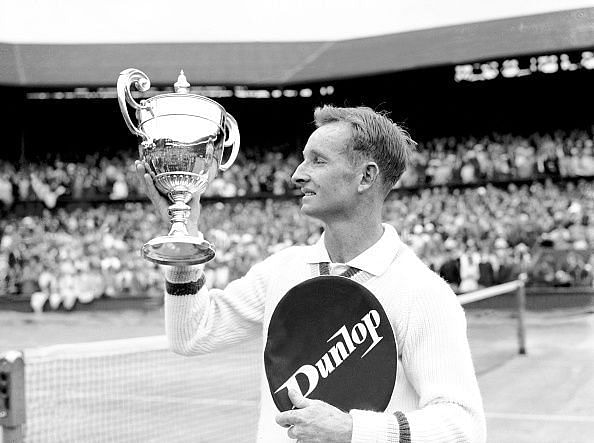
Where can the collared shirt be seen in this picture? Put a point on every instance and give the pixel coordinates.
(374, 261)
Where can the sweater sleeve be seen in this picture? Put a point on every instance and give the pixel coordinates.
(437, 361)
(199, 320)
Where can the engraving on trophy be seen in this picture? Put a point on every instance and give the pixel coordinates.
(183, 137)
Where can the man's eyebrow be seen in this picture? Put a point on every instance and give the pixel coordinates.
(313, 152)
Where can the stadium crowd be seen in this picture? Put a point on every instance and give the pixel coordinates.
(437, 162)
(474, 236)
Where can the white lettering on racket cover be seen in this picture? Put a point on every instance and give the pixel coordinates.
(338, 353)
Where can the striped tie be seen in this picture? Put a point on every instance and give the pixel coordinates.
(349, 273)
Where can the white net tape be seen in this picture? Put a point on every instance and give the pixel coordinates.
(136, 390)
(483, 294)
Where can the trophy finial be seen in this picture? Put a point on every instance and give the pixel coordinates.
(181, 85)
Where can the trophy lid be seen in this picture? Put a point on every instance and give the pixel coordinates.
(181, 115)
(181, 85)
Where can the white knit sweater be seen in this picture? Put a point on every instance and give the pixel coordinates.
(436, 387)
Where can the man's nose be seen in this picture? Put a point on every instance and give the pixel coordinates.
(299, 176)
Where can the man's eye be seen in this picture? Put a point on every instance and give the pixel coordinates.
(319, 160)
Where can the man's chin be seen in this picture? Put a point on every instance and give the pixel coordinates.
(308, 210)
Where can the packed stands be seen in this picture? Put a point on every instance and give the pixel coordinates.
(439, 161)
(477, 210)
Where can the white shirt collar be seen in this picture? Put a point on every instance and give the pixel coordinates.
(374, 260)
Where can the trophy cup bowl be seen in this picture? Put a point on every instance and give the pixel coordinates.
(183, 137)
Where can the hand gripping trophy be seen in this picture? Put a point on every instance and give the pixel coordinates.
(182, 136)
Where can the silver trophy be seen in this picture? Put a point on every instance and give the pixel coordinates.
(183, 137)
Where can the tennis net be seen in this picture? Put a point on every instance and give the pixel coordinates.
(496, 324)
(137, 390)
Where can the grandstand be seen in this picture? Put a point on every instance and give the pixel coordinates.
(502, 184)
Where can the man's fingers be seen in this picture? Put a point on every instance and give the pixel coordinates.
(139, 167)
(195, 206)
(148, 185)
(141, 172)
(293, 433)
(286, 419)
(298, 400)
(145, 176)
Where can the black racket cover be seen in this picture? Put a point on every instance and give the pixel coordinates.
(331, 337)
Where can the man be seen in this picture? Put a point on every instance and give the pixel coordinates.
(350, 164)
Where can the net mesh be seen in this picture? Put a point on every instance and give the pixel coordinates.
(493, 322)
(136, 390)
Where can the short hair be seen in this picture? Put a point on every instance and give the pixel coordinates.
(375, 137)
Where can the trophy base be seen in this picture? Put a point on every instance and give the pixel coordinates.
(178, 250)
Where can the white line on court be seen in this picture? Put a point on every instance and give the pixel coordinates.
(541, 417)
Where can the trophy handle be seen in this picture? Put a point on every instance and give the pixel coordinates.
(232, 139)
(142, 83)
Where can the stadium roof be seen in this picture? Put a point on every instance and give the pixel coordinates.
(40, 58)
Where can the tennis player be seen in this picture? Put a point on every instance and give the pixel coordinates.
(350, 164)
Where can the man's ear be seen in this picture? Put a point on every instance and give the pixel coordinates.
(369, 175)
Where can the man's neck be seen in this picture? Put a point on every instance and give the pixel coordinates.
(347, 239)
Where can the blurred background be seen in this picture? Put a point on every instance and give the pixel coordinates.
(501, 183)
(497, 95)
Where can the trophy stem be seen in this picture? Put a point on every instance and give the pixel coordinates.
(179, 212)
(178, 247)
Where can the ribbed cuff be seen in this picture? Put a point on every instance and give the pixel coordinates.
(188, 288)
(403, 427)
(373, 427)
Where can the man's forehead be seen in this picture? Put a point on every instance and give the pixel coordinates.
(337, 128)
(334, 136)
